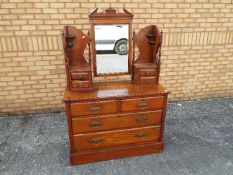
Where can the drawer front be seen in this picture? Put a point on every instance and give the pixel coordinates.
(147, 72)
(142, 103)
(80, 76)
(115, 138)
(147, 80)
(109, 122)
(93, 108)
(80, 84)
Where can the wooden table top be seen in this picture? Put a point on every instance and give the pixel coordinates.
(112, 90)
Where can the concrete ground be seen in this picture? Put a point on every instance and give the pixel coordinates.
(198, 141)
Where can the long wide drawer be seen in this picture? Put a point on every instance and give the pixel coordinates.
(115, 138)
(108, 122)
(90, 108)
(142, 103)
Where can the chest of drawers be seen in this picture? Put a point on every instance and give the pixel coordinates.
(115, 121)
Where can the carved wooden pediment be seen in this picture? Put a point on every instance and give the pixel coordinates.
(110, 13)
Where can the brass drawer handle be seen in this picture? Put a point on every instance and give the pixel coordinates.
(141, 119)
(95, 109)
(94, 124)
(147, 81)
(142, 105)
(95, 141)
(140, 135)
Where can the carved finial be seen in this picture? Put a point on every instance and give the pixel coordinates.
(110, 10)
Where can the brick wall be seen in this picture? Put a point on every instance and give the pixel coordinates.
(197, 54)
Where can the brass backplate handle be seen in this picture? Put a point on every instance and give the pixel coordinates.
(94, 124)
(140, 135)
(142, 105)
(95, 141)
(95, 109)
(141, 119)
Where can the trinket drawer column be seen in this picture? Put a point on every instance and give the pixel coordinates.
(115, 121)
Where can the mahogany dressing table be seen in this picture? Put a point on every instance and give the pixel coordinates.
(108, 120)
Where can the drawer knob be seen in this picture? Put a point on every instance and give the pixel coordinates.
(80, 77)
(141, 119)
(94, 124)
(95, 109)
(148, 73)
(140, 135)
(95, 141)
(142, 105)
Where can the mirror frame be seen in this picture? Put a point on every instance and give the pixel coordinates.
(110, 16)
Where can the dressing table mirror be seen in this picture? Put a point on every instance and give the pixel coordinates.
(111, 43)
(113, 120)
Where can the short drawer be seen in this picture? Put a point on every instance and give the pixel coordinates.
(147, 72)
(80, 76)
(147, 80)
(109, 122)
(115, 138)
(91, 108)
(80, 84)
(142, 103)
